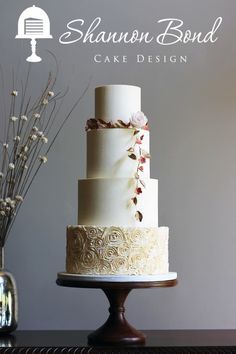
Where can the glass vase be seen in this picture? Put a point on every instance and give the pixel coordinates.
(8, 299)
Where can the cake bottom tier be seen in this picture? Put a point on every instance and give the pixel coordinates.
(117, 250)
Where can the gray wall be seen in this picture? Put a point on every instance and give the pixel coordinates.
(193, 126)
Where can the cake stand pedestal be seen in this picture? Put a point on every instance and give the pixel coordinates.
(116, 330)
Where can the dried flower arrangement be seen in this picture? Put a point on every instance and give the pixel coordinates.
(139, 122)
(25, 144)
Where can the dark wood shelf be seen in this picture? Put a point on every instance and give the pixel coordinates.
(175, 341)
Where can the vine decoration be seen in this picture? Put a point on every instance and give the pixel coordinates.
(141, 157)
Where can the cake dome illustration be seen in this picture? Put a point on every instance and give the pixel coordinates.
(33, 23)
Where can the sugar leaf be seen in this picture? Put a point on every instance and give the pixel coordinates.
(136, 131)
(134, 200)
(139, 215)
(133, 156)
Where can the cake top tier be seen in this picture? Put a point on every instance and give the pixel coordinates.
(114, 102)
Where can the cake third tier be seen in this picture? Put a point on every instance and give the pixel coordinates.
(109, 201)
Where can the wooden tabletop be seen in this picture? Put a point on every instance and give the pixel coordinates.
(174, 341)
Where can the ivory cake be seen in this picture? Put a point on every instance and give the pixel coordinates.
(117, 231)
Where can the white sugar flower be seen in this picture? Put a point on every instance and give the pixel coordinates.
(35, 129)
(43, 159)
(19, 198)
(5, 145)
(17, 138)
(8, 200)
(45, 101)
(44, 139)
(13, 119)
(2, 212)
(50, 93)
(33, 137)
(14, 93)
(36, 115)
(24, 118)
(11, 166)
(25, 148)
(25, 167)
(138, 120)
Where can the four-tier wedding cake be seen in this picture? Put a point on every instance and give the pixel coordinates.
(117, 231)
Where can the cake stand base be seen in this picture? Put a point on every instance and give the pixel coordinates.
(116, 330)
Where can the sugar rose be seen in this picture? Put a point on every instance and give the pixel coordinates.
(138, 120)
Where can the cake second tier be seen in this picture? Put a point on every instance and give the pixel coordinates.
(108, 152)
(108, 201)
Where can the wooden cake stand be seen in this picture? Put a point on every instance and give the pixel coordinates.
(116, 330)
